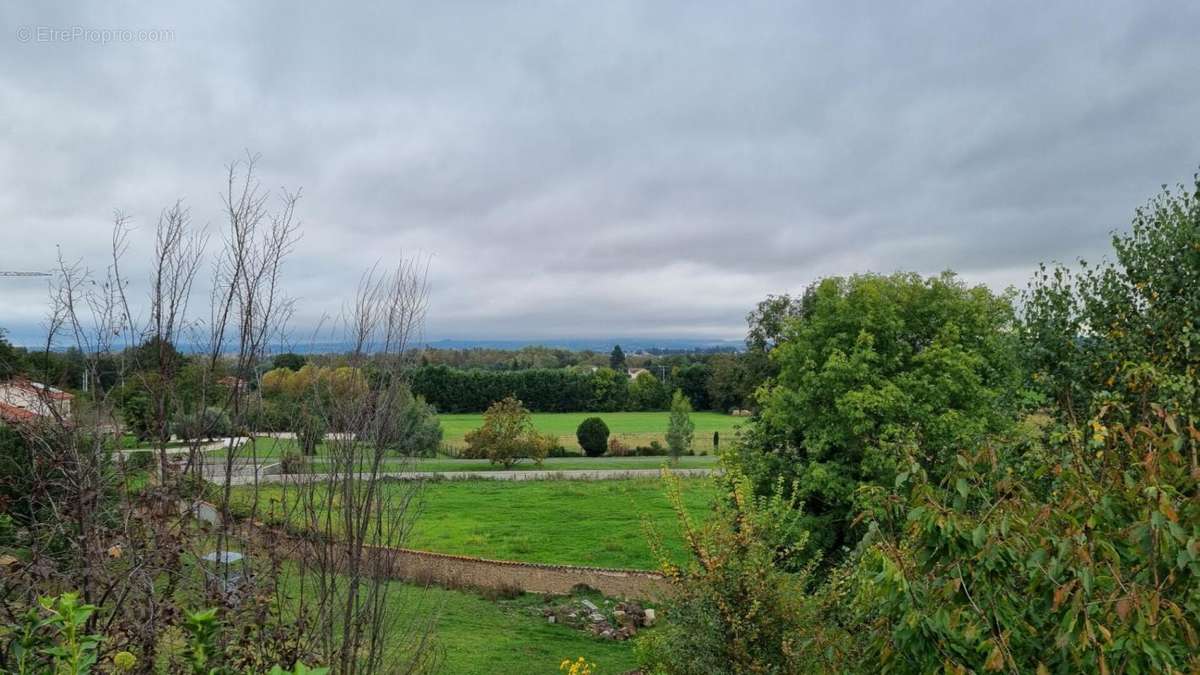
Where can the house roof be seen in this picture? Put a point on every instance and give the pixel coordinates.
(11, 413)
(40, 389)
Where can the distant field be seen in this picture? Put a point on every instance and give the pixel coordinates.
(566, 522)
(633, 428)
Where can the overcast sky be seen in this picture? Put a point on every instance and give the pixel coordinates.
(600, 168)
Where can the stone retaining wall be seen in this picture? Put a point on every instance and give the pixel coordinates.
(458, 571)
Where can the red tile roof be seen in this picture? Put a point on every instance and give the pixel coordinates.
(11, 413)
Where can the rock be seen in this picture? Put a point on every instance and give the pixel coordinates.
(597, 617)
(589, 605)
(552, 619)
(649, 620)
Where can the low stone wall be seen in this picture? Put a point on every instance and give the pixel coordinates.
(457, 571)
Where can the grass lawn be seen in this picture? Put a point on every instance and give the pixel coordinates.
(473, 634)
(549, 464)
(509, 636)
(633, 428)
(598, 523)
(567, 522)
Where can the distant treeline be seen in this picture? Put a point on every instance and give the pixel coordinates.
(581, 389)
(455, 390)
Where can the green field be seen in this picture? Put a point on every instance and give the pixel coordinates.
(598, 523)
(633, 428)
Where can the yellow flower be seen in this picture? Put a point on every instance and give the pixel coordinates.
(581, 666)
(124, 661)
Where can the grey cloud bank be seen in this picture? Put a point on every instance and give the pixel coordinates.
(603, 168)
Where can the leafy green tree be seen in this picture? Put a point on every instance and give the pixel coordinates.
(1083, 560)
(680, 428)
(507, 435)
(156, 355)
(646, 392)
(872, 364)
(693, 380)
(310, 429)
(415, 430)
(731, 383)
(134, 403)
(1131, 326)
(610, 390)
(769, 320)
(616, 360)
(11, 361)
(592, 435)
(289, 360)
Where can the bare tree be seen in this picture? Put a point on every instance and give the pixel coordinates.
(128, 550)
(355, 513)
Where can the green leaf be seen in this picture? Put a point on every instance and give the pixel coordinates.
(963, 487)
(979, 535)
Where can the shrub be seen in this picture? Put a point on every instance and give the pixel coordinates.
(592, 435)
(655, 449)
(1096, 572)
(618, 449)
(209, 424)
(293, 462)
(740, 603)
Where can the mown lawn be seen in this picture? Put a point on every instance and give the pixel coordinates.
(632, 428)
(509, 636)
(473, 634)
(549, 464)
(597, 523)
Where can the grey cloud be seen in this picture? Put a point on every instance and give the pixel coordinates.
(622, 168)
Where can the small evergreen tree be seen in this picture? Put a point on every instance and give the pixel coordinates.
(681, 428)
(616, 360)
